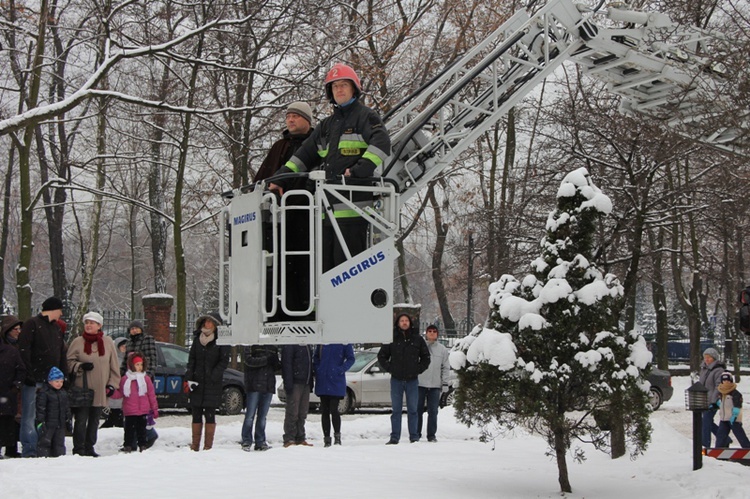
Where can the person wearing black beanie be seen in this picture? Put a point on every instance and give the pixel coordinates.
(42, 347)
(52, 303)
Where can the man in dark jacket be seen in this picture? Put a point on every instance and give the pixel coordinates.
(42, 347)
(297, 289)
(405, 359)
(297, 375)
(298, 128)
(351, 143)
(261, 362)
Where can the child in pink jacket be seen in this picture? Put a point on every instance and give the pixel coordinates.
(139, 398)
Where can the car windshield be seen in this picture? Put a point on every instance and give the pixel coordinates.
(174, 357)
(361, 359)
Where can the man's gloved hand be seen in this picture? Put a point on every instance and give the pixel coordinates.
(87, 366)
(41, 429)
(17, 385)
(192, 384)
(443, 400)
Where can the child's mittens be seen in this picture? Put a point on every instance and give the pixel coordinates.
(110, 390)
(735, 413)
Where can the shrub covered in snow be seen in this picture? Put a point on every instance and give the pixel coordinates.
(552, 358)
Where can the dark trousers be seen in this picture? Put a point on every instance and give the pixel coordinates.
(135, 430)
(708, 426)
(199, 412)
(295, 413)
(297, 266)
(114, 419)
(85, 429)
(9, 433)
(722, 435)
(329, 411)
(355, 236)
(52, 443)
(429, 398)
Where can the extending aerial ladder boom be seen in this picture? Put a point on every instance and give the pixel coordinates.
(654, 65)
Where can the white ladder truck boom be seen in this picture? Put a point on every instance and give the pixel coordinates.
(653, 64)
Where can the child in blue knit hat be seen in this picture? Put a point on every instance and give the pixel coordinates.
(52, 415)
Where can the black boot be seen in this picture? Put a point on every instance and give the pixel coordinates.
(326, 441)
(337, 439)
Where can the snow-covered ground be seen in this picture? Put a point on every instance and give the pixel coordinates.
(457, 466)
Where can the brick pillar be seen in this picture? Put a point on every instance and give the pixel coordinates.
(157, 309)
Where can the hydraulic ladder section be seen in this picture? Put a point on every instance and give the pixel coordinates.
(652, 63)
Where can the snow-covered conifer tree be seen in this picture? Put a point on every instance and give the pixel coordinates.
(552, 358)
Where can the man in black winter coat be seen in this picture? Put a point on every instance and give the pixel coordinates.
(42, 347)
(297, 375)
(405, 359)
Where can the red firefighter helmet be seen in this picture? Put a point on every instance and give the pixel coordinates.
(342, 72)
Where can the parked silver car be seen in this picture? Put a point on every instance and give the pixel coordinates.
(367, 384)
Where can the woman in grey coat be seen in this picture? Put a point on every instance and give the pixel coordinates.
(710, 376)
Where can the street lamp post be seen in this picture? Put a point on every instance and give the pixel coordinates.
(696, 400)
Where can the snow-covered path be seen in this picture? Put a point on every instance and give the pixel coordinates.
(459, 465)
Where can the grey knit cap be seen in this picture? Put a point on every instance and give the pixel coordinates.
(301, 108)
(712, 352)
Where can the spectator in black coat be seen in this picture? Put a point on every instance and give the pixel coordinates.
(405, 359)
(42, 346)
(12, 374)
(52, 416)
(261, 363)
(297, 375)
(205, 371)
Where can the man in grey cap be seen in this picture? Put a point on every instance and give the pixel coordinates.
(710, 376)
(298, 128)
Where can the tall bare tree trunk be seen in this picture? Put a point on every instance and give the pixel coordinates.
(135, 273)
(8, 183)
(179, 250)
(23, 284)
(402, 278)
(156, 195)
(92, 255)
(659, 299)
(441, 230)
(688, 298)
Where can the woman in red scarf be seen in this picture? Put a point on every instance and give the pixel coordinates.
(92, 355)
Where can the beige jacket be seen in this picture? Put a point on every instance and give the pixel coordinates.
(106, 367)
